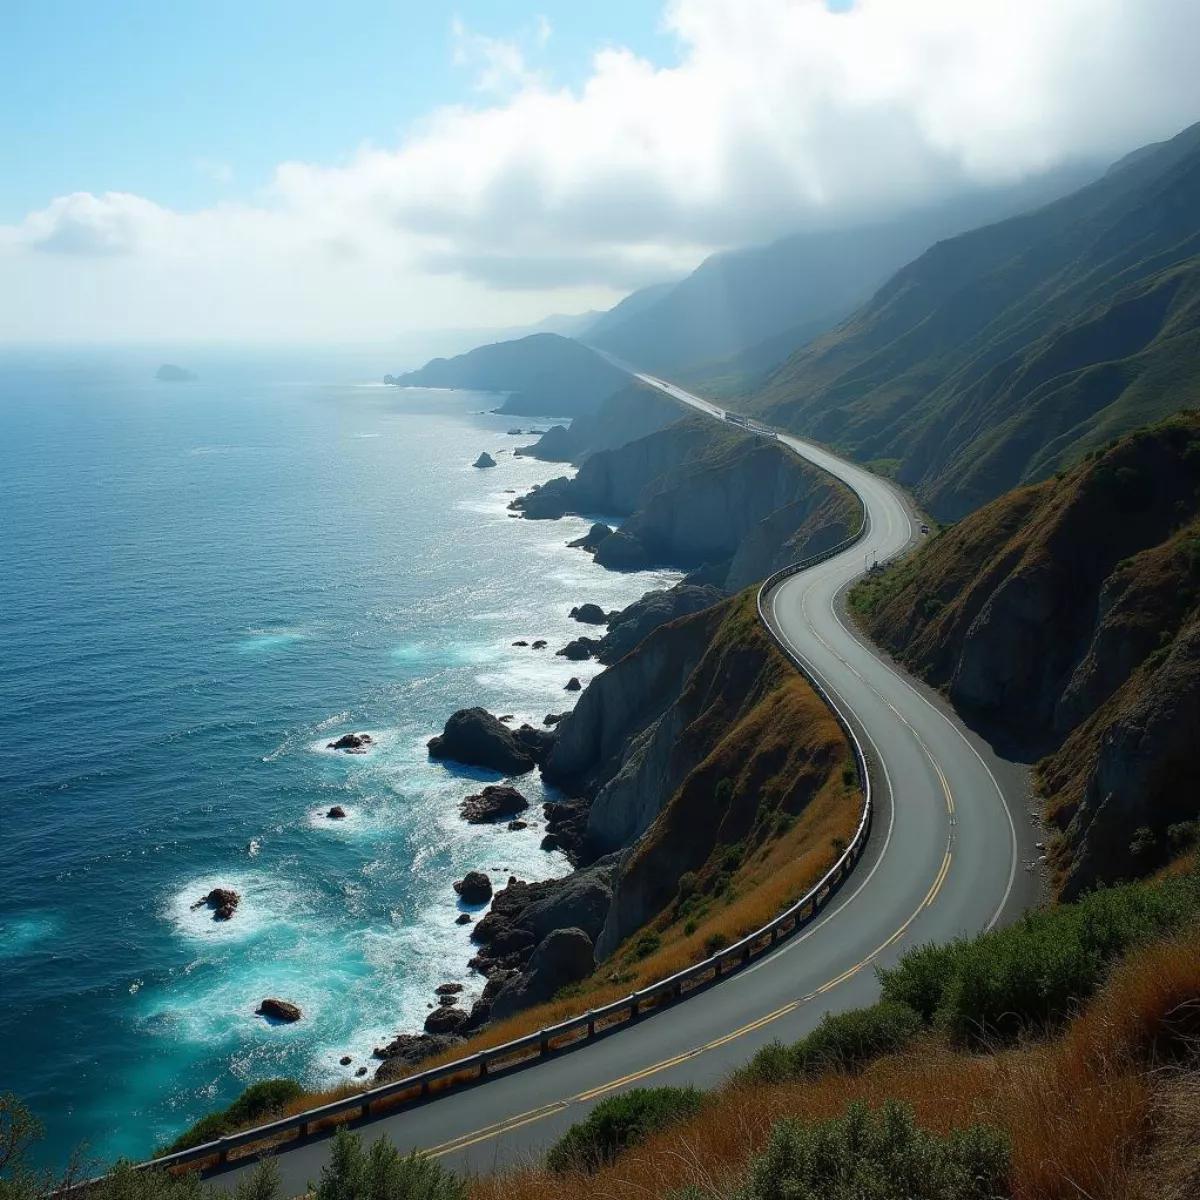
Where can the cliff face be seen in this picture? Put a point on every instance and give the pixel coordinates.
(1058, 610)
(698, 738)
(697, 493)
(633, 412)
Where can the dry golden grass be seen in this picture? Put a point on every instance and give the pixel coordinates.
(1089, 1114)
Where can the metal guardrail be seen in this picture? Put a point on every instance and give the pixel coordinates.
(476, 1067)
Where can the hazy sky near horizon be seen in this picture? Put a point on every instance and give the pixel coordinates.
(294, 169)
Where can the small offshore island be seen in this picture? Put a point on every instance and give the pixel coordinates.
(170, 373)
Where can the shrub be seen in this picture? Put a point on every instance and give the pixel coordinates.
(845, 1041)
(1031, 973)
(1183, 836)
(1144, 842)
(716, 941)
(882, 1155)
(382, 1173)
(258, 1103)
(731, 858)
(646, 945)
(689, 885)
(617, 1123)
(723, 792)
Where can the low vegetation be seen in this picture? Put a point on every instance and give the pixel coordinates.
(260, 1102)
(1100, 1102)
(619, 1122)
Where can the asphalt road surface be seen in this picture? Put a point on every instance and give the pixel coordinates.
(948, 855)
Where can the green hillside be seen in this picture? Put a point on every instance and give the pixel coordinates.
(999, 356)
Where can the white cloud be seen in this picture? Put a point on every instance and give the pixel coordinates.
(779, 114)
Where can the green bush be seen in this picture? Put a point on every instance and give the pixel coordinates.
(845, 1041)
(617, 1123)
(689, 885)
(256, 1105)
(1033, 972)
(381, 1172)
(647, 944)
(880, 1155)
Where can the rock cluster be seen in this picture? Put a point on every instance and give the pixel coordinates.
(475, 737)
(580, 650)
(566, 827)
(223, 902)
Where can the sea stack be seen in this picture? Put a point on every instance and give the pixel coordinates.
(485, 460)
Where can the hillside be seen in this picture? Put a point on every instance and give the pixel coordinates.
(999, 356)
(777, 296)
(1069, 612)
(544, 374)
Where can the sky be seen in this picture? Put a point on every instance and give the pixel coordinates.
(300, 170)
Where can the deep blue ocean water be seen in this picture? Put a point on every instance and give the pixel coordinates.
(200, 585)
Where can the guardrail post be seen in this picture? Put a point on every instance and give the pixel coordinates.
(633, 1010)
(746, 953)
(591, 1025)
(222, 1152)
(544, 1044)
(483, 1067)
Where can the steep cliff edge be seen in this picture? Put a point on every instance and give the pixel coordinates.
(696, 493)
(1068, 612)
(702, 748)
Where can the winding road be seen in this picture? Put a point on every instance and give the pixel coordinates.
(949, 842)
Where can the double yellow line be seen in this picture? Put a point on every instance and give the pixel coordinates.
(537, 1114)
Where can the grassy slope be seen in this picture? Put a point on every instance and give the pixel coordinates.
(1059, 604)
(1090, 1111)
(998, 356)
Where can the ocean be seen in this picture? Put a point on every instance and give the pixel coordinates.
(201, 585)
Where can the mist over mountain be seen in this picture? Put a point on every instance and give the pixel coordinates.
(998, 356)
(768, 300)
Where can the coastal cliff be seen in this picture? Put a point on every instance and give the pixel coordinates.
(698, 493)
(699, 749)
(543, 374)
(633, 412)
(1067, 612)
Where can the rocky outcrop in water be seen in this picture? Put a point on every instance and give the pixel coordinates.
(473, 888)
(590, 614)
(484, 460)
(223, 901)
(580, 650)
(591, 540)
(474, 737)
(404, 1054)
(336, 813)
(492, 804)
(352, 743)
(279, 1010)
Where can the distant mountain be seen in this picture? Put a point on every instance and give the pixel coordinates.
(634, 304)
(545, 374)
(805, 282)
(998, 356)
(571, 325)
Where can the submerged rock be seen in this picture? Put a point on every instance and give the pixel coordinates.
(484, 460)
(279, 1010)
(493, 803)
(540, 644)
(475, 887)
(223, 902)
(475, 737)
(463, 919)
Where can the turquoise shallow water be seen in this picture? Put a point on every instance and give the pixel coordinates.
(201, 585)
